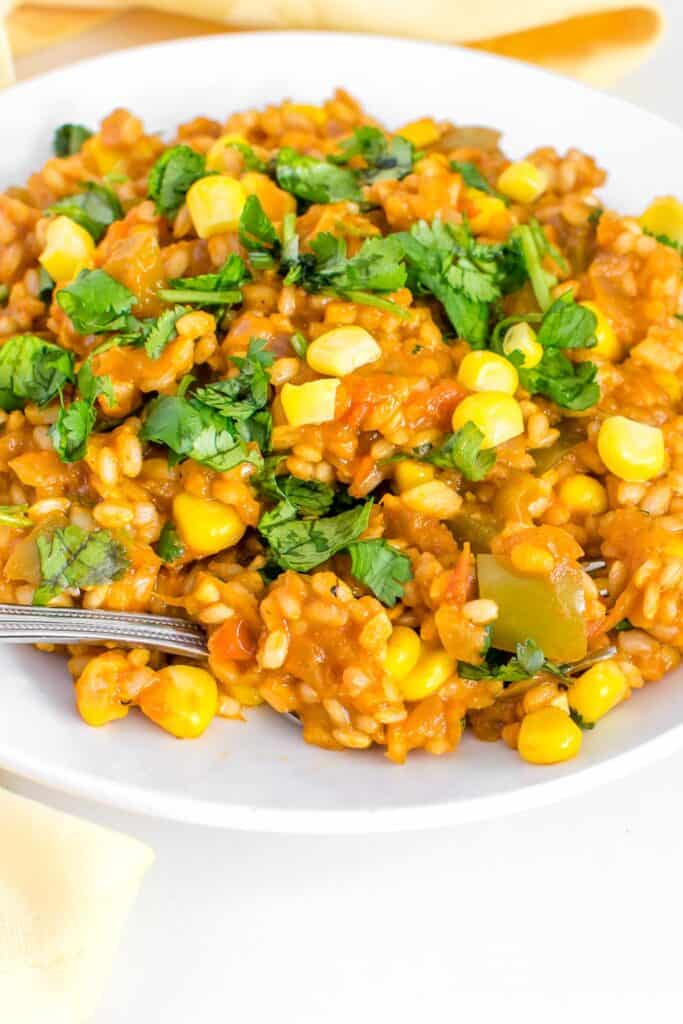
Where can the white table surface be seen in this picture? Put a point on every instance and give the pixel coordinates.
(564, 913)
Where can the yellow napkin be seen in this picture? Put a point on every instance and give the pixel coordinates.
(66, 887)
(597, 40)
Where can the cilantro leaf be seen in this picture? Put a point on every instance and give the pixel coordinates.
(96, 302)
(94, 208)
(316, 181)
(256, 231)
(665, 240)
(32, 370)
(302, 544)
(377, 266)
(463, 451)
(169, 546)
(70, 557)
(15, 516)
(566, 324)
(381, 567)
(251, 161)
(71, 430)
(473, 177)
(219, 289)
(69, 138)
(527, 662)
(160, 331)
(244, 398)
(384, 157)
(533, 245)
(192, 430)
(309, 497)
(171, 177)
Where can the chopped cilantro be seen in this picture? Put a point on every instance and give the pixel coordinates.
(219, 289)
(381, 567)
(473, 177)
(171, 177)
(376, 267)
(244, 397)
(565, 325)
(666, 240)
(75, 422)
(160, 332)
(302, 544)
(70, 557)
(256, 231)
(251, 161)
(624, 626)
(308, 497)
(96, 302)
(69, 138)
(299, 344)
(462, 451)
(316, 181)
(384, 157)
(169, 546)
(32, 370)
(94, 208)
(527, 662)
(15, 516)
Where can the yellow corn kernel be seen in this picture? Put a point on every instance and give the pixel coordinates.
(583, 494)
(275, 201)
(597, 691)
(532, 559)
(248, 696)
(309, 403)
(342, 350)
(215, 204)
(106, 159)
(487, 371)
(670, 383)
(522, 338)
(432, 670)
(664, 216)
(409, 474)
(206, 526)
(421, 133)
(632, 451)
(183, 700)
(607, 344)
(498, 416)
(434, 499)
(403, 651)
(317, 114)
(98, 689)
(215, 156)
(487, 209)
(523, 182)
(548, 736)
(69, 249)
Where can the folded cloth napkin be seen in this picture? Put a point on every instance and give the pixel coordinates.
(597, 40)
(66, 887)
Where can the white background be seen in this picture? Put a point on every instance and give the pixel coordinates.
(565, 913)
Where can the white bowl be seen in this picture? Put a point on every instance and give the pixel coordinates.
(260, 775)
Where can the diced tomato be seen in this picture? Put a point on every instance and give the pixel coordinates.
(233, 641)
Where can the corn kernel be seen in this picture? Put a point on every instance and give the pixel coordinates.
(522, 338)
(583, 494)
(403, 651)
(317, 114)
(432, 670)
(597, 691)
(548, 736)
(670, 383)
(434, 499)
(532, 558)
(409, 474)
(421, 133)
(523, 182)
(342, 350)
(486, 209)
(497, 415)
(69, 249)
(183, 700)
(206, 526)
(215, 204)
(215, 156)
(607, 344)
(248, 696)
(106, 159)
(632, 451)
(309, 403)
(275, 201)
(664, 216)
(487, 371)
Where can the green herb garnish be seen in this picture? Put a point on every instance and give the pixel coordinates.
(94, 208)
(473, 177)
(302, 544)
(219, 289)
(316, 181)
(382, 568)
(384, 157)
(32, 370)
(69, 138)
(71, 558)
(173, 174)
(96, 302)
(169, 546)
